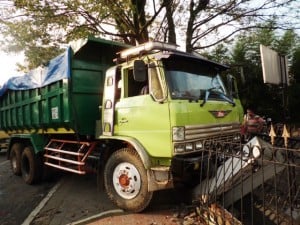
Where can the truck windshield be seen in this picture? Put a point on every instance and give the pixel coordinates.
(193, 80)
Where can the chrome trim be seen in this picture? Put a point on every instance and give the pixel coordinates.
(194, 132)
(207, 135)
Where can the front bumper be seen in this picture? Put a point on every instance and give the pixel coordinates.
(189, 170)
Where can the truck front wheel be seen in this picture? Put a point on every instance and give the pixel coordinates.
(30, 166)
(125, 180)
(15, 158)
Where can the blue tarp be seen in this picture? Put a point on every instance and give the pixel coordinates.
(58, 68)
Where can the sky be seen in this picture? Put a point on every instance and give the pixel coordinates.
(8, 65)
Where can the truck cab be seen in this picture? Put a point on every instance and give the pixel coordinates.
(168, 106)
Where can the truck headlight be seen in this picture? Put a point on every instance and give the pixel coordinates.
(178, 133)
(179, 148)
(189, 147)
(199, 145)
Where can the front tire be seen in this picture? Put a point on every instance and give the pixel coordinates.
(15, 158)
(30, 166)
(125, 181)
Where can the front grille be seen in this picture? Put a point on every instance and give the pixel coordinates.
(222, 131)
(202, 137)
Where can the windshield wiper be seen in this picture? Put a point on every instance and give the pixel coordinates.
(207, 93)
(222, 95)
(226, 98)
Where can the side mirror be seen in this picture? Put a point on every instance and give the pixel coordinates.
(232, 86)
(139, 71)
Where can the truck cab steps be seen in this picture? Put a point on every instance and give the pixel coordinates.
(68, 155)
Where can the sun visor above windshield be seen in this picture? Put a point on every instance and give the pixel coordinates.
(195, 57)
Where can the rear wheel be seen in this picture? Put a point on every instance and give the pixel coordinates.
(30, 166)
(15, 158)
(125, 180)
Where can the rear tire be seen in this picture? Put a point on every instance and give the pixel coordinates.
(15, 158)
(30, 166)
(125, 181)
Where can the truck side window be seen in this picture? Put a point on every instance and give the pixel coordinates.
(134, 87)
(119, 85)
(155, 85)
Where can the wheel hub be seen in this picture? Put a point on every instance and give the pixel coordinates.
(124, 180)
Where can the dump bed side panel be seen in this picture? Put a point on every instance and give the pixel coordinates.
(36, 110)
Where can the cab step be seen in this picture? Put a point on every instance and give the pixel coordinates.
(68, 155)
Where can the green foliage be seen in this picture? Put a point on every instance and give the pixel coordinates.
(36, 43)
(245, 55)
(294, 102)
(295, 67)
(201, 24)
(220, 54)
(32, 25)
(286, 44)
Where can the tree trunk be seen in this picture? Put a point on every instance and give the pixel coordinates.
(171, 26)
(194, 11)
(139, 21)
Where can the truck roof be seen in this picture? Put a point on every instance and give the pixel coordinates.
(163, 49)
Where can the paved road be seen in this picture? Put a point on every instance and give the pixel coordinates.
(76, 198)
(66, 199)
(79, 199)
(71, 197)
(18, 199)
(2, 155)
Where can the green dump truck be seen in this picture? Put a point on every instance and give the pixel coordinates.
(139, 117)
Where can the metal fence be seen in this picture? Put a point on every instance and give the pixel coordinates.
(256, 183)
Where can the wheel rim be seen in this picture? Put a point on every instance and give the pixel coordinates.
(126, 180)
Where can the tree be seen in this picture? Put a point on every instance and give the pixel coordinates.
(266, 99)
(130, 19)
(296, 64)
(194, 10)
(200, 24)
(207, 19)
(50, 24)
(170, 7)
(293, 90)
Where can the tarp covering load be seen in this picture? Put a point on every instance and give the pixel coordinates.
(56, 69)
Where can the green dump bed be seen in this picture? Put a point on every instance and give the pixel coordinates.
(67, 95)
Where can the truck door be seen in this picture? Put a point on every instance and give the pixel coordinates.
(142, 112)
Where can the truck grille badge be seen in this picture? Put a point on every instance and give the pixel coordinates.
(220, 114)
